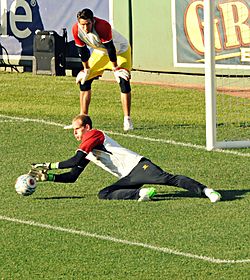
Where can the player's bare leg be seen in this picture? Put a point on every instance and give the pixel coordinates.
(126, 106)
(85, 98)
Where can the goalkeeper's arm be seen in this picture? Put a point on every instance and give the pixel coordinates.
(71, 176)
(110, 47)
(69, 163)
(67, 177)
(83, 53)
(78, 162)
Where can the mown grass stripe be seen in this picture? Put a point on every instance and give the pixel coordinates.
(164, 141)
(122, 241)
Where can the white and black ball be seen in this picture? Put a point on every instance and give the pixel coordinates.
(25, 185)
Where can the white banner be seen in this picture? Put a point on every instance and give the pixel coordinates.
(21, 18)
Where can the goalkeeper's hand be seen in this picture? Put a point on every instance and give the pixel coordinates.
(82, 76)
(45, 165)
(120, 72)
(40, 175)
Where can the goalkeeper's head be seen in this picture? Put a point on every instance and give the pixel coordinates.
(85, 19)
(85, 14)
(81, 124)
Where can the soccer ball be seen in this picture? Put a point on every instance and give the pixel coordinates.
(25, 185)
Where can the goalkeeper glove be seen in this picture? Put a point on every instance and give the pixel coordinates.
(120, 72)
(82, 76)
(45, 165)
(41, 175)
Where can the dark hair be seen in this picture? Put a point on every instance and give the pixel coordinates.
(84, 119)
(85, 14)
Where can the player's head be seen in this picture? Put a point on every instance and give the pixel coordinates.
(85, 14)
(83, 120)
(81, 124)
(85, 18)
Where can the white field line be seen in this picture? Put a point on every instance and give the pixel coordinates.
(165, 141)
(123, 241)
(5, 121)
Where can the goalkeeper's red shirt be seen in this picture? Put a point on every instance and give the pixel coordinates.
(108, 154)
(101, 33)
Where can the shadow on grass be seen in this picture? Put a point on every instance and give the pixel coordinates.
(59, 197)
(64, 197)
(176, 195)
(226, 195)
(233, 194)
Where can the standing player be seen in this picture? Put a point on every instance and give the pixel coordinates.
(132, 169)
(110, 51)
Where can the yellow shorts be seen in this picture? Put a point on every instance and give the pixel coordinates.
(99, 62)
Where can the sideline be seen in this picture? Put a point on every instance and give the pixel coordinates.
(123, 241)
(165, 141)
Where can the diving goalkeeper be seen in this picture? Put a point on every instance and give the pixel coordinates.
(133, 170)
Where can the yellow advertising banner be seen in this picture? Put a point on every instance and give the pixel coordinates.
(231, 32)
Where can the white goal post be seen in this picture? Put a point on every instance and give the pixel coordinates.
(210, 85)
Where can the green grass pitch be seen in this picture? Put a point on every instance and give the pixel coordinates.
(63, 231)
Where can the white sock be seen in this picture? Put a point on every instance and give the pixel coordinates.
(207, 191)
